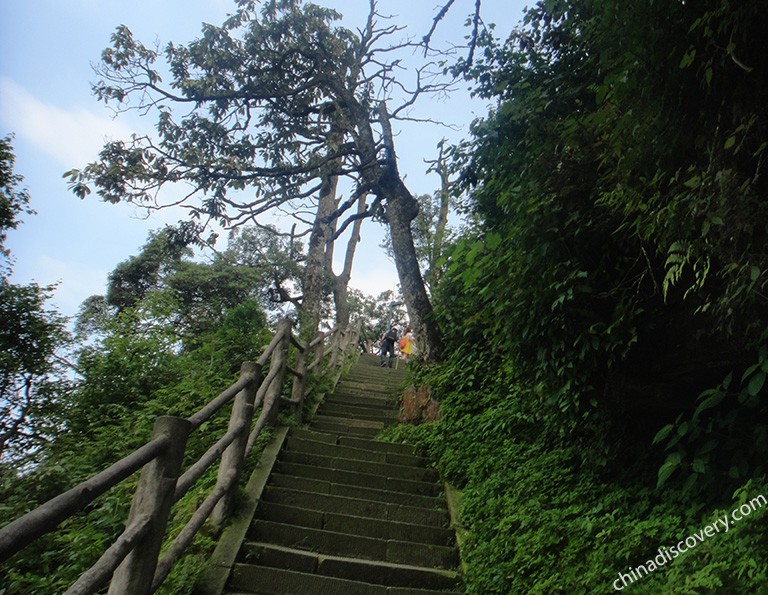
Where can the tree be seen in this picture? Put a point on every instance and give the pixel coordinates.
(164, 281)
(13, 200)
(440, 214)
(430, 227)
(32, 375)
(167, 354)
(340, 283)
(282, 104)
(133, 278)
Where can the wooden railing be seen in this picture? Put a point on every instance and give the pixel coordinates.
(132, 561)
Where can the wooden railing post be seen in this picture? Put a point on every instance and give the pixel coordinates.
(336, 345)
(233, 458)
(317, 352)
(299, 386)
(277, 365)
(355, 340)
(153, 498)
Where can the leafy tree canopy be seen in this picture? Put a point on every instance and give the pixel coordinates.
(13, 200)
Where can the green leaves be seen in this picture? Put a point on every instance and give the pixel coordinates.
(756, 383)
(688, 58)
(663, 433)
(670, 466)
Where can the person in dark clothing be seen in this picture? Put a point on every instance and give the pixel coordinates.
(388, 347)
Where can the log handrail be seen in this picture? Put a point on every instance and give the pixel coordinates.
(321, 337)
(100, 572)
(138, 572)
(45, 518)
(212, 407)
(197, 469)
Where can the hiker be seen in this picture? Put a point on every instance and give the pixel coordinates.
(406, 344)
(388, 347)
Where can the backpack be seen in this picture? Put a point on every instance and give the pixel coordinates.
(403, 342)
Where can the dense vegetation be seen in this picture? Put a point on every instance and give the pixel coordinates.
(169, 334)
(606, 311)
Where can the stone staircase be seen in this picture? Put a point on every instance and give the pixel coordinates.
(344, 514)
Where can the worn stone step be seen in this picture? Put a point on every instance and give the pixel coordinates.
(339, 427)
(367, 480)
(385, 469)
(338, 398)
(365, 393)
(374, 367)
(357, 411)
(349, 422)
(307, 434)
(378, 380)
(297, 444)
(385, 420)
(343, 513)
(401, 513)
(379, 573)
(320, 486)
(378, 371)
(345, 523)
(376, 387)
(264, 580)
(385, 382)
(355, 546)
(356, 396)
(405, 449)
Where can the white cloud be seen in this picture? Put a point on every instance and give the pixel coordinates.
(69, 136)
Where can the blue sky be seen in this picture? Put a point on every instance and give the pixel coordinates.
(46, 51)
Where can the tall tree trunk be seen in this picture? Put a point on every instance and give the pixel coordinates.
(383, 180)
(340, 282)
(314, 273)
(401, 209)
(442, 219)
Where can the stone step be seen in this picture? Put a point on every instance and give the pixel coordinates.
(404, 449)
(345, 523)
(373, 366)
(384, 469)
(297, 444)
(367, 480)
(307, 434)
(342, 513)
(320, 486)
(380, 573)
(386, 419)
(350, 422)
(324, 424)
(383, 378)
(381, 387)
(386, 404)
(384, 375)
(332, 543)
(386, 381)
(357, 411)
(390, 400)
(278, 581)
(401, 513)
